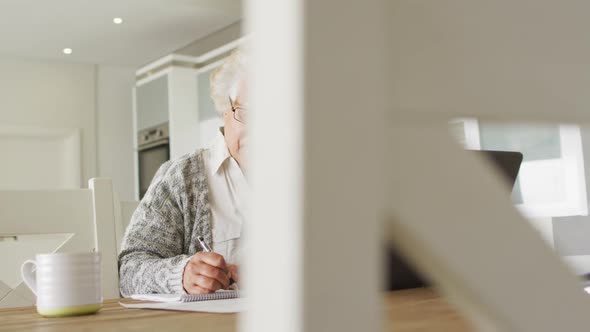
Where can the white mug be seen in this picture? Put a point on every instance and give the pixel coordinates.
(65, 284)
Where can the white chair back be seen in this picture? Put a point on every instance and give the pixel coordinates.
(83, 217)
(105, 234)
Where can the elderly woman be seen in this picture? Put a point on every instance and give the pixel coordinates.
(197, 195)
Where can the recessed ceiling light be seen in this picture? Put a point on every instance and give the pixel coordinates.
(67, 51)
(117, 20)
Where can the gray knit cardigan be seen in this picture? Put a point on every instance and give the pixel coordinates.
(163, 231)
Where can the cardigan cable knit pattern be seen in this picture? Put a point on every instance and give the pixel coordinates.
(162, 234)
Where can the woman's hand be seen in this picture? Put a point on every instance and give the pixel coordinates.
(205, 273)
(234, 273)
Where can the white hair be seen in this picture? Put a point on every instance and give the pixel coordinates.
(225, 79)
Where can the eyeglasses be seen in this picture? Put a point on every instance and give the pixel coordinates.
(240, 114)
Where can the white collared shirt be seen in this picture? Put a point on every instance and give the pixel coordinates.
(227, 192)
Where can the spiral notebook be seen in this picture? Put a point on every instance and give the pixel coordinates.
(219, 295)
(238, 304)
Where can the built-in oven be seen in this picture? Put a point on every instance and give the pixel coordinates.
(153, 149)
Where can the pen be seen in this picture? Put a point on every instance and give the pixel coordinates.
(203, 244)
(206, 248)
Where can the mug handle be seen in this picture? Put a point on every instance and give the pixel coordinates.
(29, 277)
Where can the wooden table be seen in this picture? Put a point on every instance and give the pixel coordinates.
(421, 309)
(408, 310)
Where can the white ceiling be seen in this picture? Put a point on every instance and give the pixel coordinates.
(151, 28)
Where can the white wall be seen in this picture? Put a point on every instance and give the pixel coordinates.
(51, 95)
(42, 95)
(39, 158)
(213, 40)
(115, 128)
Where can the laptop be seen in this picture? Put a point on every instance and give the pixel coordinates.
(400, 274)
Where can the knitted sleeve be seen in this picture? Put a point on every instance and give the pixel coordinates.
(152, 258)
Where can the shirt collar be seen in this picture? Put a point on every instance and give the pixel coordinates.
(219, 151)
